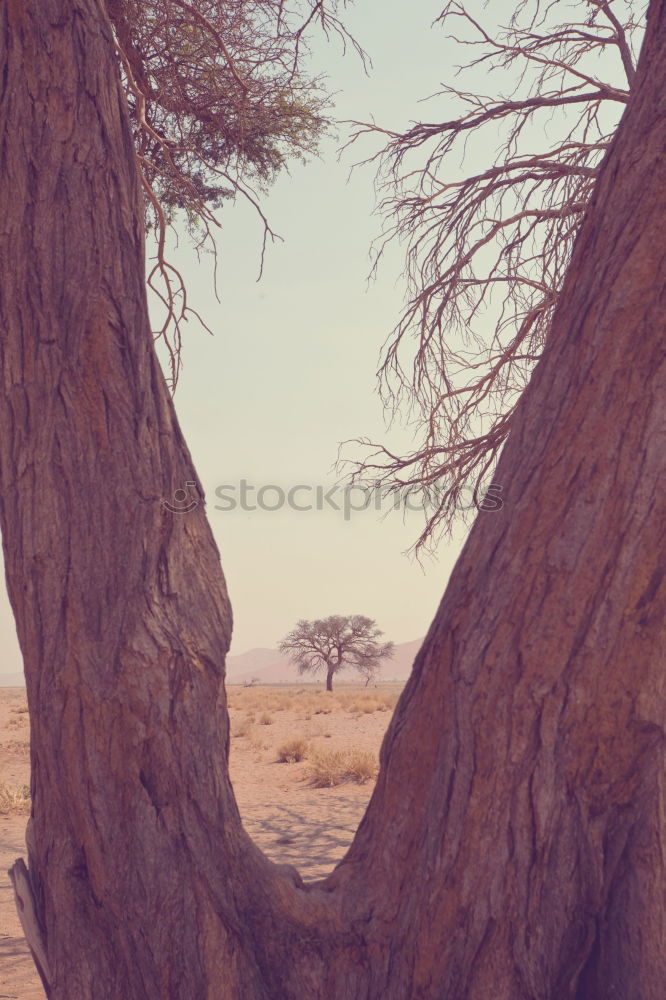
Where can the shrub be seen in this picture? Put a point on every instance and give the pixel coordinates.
(293, 750)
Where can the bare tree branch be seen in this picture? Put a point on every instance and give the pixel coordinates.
(487, 250)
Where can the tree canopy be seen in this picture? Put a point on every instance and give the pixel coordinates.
(220, 98)
(333, 643)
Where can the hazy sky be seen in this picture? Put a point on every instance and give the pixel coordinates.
(290, 370)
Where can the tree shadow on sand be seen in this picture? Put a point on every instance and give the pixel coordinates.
(312, 839)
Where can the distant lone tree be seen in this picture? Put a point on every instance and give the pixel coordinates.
(336, 642)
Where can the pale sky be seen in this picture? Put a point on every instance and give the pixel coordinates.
(289, 372)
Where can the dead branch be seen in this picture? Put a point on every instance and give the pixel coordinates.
(487, 250)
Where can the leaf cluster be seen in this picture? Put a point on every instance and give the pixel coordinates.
(220, 100)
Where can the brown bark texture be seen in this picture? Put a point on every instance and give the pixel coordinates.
(515, 844)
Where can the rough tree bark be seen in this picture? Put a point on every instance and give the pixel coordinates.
(514, 846)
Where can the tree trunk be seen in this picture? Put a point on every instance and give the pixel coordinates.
(514, 846)
(329, 678)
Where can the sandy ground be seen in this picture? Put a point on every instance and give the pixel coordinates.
(292, 821)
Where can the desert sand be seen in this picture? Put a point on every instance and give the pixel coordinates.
(287, 815)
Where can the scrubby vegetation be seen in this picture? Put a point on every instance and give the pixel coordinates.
(351, 719)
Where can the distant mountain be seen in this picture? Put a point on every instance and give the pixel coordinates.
(267, 664)
(270, 667)
(400, 666)
(12, 680)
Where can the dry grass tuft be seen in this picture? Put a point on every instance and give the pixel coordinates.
(361, 766)
(266, 719)
(20, 709)
(333, 767)
(14, 799)
(293, 750)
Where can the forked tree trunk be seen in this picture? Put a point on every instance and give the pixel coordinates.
(514, 846)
